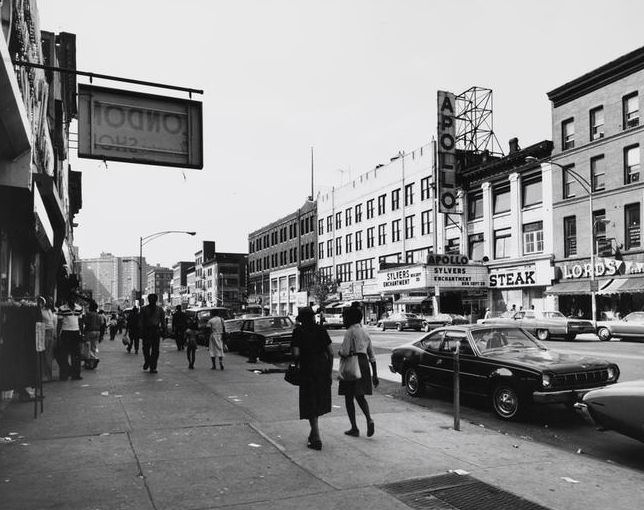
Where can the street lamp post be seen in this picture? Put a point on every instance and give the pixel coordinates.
(221, 288)
(587, 186)
(145, 240)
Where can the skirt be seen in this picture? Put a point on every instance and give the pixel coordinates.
(363, 385)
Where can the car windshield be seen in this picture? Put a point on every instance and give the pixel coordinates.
(553, 315)
(635, 317)
(495, 340)
(273, 323)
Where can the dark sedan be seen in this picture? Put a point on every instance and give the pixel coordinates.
(262, 335)
(503, 363)
(400, 321)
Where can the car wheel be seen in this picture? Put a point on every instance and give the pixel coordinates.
(506, 401)
(604, 334)
(543, 334)
(413, 384)
(399, 327)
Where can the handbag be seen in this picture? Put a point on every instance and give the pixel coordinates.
(349, 369)
(125, 339)
(292, 375)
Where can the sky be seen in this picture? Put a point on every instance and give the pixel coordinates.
(354, 79)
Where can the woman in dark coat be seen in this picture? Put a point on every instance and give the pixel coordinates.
(313, 353)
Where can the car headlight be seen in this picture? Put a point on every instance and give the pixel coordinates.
(545, 381)
(612, 374)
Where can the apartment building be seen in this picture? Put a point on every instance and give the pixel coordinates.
(225, 280)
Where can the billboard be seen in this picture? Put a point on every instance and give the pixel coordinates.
(119, 125)
(446, 162)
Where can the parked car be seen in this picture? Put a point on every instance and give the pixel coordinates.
(504, 363)
(202, 315)
(400, 321)
(272, 334)
(544, 325)
(619, 407)
(631, 326)
(233, 326)
(442, 319)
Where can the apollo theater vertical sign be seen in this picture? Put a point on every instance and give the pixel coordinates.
(446, 164)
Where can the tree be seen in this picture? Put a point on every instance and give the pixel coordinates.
(323, 285)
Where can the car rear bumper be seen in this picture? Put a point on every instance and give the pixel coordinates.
(563, 396)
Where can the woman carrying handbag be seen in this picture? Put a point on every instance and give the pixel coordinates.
(358, 343)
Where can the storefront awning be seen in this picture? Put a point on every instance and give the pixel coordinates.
(612, 287)
(372, 299)
(632, 285)
(574, 287)
(412, 300)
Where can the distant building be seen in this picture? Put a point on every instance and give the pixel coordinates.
(225, 280)
(206, 252)
(159, 282)
(179, 289)
(191, 285)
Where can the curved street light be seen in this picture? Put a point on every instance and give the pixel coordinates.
(145, 240)
(588, 188)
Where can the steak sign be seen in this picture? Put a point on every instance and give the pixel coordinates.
(119, 125)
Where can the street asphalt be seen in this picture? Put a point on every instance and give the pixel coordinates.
(121, 438)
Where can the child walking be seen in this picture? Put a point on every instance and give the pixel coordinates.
(191, 343)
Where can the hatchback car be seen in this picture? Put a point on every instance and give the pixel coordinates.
(263, 335)
(504, 363)
(401, 321)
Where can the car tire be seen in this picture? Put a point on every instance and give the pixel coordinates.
(543, 334)
(506, 401)
(604, 334)
(413, 383)
(399, 327)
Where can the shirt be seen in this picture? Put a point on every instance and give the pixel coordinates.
(357, 340)
(69, 317)
(216, 325)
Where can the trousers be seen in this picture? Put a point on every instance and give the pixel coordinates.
(69, 347)
(151, 349)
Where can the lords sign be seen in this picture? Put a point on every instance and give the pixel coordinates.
(446, 164)
(119, 125)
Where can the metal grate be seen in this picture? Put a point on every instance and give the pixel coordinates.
(456, 492)
(575, 379)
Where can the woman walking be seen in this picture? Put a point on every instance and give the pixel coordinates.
(357, 342)
(313, 353)
(92, 331)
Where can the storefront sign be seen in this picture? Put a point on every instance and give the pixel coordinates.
(441, 260)
(469, 276)
(120, 125)
(603, 267)
(446, 163)
(405, 278)
(351, 291)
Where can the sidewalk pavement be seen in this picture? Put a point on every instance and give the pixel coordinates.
(122, 438)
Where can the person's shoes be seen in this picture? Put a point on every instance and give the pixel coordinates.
(96, 362)
(221, 366)
(129, 349)
(146, 365)
(352, 432)
(214, 367)
(314, 444)
(76, 377)
(371, 428)
(153, 371)
(191, 366)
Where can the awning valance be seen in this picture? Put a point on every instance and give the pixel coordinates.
(612, 287)
(632, 285)
(411, 300)
(581, 287)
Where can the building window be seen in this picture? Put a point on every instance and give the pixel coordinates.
(453, 246)
(370, 231)
(409, 194)
(307, 252)
(321, 227)
(597, 123)
(370, 209)
(531, 190)
(343, 272)
(364, 269)
(382, 234)
(329, 248)
(347, 217)
(568, 182)
(533, 237)
(502, 239)
(426, 222)
(338, 245)
(632, 225)
(418, 256)
(475, 205)
(381, 204)
(359, 240)
(424, 188)
(348, 243)
(325, 274)
(395, 199)
(392, 258)
(358, 210)
(600, 246)
(338, 220)
(475, 246)
(329, 224)
(501, 196)
(395, 231)
(320, 250)
(409, 227)
(294, 254)
(598, 173)
(631, 108)
(567, 134)
(632, 164)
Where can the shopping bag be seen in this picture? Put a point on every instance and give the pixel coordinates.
(349, 369)
(125, 339)
(292, 375)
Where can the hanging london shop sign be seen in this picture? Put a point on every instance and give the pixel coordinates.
(119, 125)
(446, 162)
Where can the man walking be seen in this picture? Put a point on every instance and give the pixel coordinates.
(69, 334)
(152, 326)
(179, 325)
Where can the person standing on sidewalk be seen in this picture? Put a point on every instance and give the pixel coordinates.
(133, 327)
(92, 330)
(357, 340)
(190, 341)
(314, 356)
(113, 326)
(69, 334)
(216, 341)
(49, 319)
(152, 327)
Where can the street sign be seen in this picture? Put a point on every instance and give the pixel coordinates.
(594, 285)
